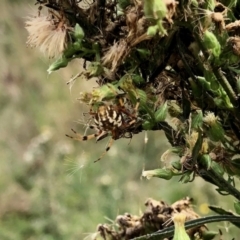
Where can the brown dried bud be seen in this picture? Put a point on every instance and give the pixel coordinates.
(234, 42)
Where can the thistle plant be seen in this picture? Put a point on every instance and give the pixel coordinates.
(171, 61)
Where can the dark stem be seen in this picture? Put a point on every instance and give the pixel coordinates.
(168, 232)
(212, 177)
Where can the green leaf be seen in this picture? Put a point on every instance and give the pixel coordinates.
(209, 235)
(78, 32)
(164, 173)
(206, 161)
(197, 120)
(161, 113)
(147, 125)
(217, 168)
(186, 177)
(222, 211)
(237, 207)
(197, 147)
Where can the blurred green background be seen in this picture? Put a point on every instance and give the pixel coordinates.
(50, 187)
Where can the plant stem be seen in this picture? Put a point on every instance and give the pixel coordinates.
(168, 232)
(211, 176)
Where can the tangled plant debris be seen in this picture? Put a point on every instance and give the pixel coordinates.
(160, 65)
(158, 215)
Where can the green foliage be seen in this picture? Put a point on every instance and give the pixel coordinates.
(179, 66)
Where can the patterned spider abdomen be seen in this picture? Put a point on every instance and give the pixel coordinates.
(108, 118)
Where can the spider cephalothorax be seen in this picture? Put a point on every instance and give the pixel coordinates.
(116, 120)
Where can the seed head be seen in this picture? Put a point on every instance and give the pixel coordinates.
(115, 55)
(210, 118)
(49, 35)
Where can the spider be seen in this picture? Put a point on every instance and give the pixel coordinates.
(116, 120)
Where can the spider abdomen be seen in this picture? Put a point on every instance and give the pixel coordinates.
(108, 118)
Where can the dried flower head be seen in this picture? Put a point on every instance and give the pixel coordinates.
(234, 42)
(48, 33)
(210, 118)
(192, 139)
(85, 97)
(171, 7)
(115, 55)
(234, 27)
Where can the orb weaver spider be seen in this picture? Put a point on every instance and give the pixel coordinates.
(116, 120)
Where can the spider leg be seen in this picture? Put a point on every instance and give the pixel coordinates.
(119, 96)
(132, 122)
(115, 92)
(137, 100)
(106, 150)
(91, 112)
(79, 137)
(120, 101)
(123, 108)
(101, 136)
(137, 105)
